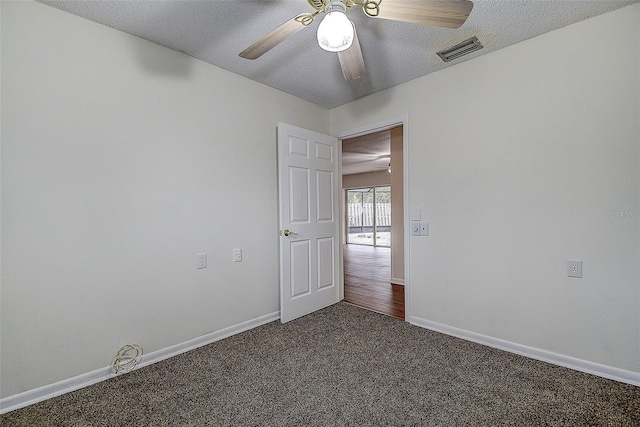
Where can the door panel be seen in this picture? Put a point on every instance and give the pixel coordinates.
(309, 250)
(324, 202)
(299, 195)
(326, 267)
(300, 268)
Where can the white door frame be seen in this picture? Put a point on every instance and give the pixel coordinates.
(371, 128)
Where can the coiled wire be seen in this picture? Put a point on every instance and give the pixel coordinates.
(127, 358)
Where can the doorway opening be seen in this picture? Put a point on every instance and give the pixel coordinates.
(368, 220)
(373, 214)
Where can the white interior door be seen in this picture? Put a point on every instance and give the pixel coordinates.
(309, 221)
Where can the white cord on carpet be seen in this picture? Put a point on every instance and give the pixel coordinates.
(127, 358)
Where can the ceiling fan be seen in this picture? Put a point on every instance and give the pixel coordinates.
(336, 33)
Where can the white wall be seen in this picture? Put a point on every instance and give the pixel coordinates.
(121, 160)
(542, 165)
(359, 180)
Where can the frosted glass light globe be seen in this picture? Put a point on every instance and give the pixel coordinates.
(335, 32)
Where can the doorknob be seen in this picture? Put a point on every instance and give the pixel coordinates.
(287, 232)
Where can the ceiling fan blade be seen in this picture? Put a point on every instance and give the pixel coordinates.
(441, 13)
(351, 59)
(277, 36)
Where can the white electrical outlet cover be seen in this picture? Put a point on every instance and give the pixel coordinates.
(574, 268)
(424, 228)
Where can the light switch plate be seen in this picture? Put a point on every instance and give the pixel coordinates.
(416, 214)
(201, 261)
(415, 228)
(237, 255)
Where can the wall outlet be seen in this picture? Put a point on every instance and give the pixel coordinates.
(574, 268)
(424, 228)
(201, 261)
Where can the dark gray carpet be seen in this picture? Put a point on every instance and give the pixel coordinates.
(343, 366)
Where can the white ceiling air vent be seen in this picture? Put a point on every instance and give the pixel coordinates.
(461, 49)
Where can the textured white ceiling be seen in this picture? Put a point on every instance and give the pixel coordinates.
(394, 52)
(366, 153)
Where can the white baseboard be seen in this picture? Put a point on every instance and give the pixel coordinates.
(617, 374)
(397, 281)
(49, 391)
(39, 394)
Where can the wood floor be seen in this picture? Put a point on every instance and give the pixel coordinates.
(367, 276)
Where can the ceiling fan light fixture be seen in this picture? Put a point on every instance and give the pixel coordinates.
(335, 32)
